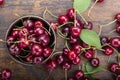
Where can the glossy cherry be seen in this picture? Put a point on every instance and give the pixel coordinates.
(89, 54)
(28, 24)
(29, 58)
(75, 31)
(77, 48)
(38, 31)
(118, 28)
(79, 75)
(66, 66)
(65, 51)
(88, 26)
(115, 42)
(51, 64)
(62, 19)
(66, 30)
(54, 25)
(47, 51)
(70, 13)
(15, 33)
(117, 17)
(23, 42)
(104, 40)
(72, 39)
(113, 67)
(95, 62)
(108, 50)
(79, 23)
(10, 40)
(14, 49)
(39, 23)
(100, 1)
(6, 74)
(2, 2)
(38, 59)
(59, 59)
(71, 55)
(76, 60)
(24, 32)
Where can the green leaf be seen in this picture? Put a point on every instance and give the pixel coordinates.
(91, 38)
(81, 5)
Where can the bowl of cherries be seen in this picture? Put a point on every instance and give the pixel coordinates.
(30, 40)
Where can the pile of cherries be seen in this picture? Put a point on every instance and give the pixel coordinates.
(31, 42)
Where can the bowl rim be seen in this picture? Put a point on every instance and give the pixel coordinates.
(27, 16)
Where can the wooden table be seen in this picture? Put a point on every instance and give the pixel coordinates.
(102, 13)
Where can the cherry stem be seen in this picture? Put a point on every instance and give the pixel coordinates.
(111, 32)
(24, 56)
(65, 24)
(100, 30)
(109, 59)
(75, 19)
(44, 13)
(66, 44)
(19, 16)
(61, 35)
(118, 57)
(47, 31)
(91, 9)
(95, 54)
(65, 74)
(56, 53)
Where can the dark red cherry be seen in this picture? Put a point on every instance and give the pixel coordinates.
(6, 74)
(118, 28)
(104, 40)
(54, 25)
(100, 1)
(72, 39)
(108, 50)
(28, 24)
(71, 78)
(66, 66)
(10, 40)
(32, 39)
(31, 31)
(66, 30)
(51, 64)
(118, 77)
(38, 59)
(115, 42)
(62, 19)
(15, 33)
(117, 17)
(84, 45)
(36, 50)
(95, 62)
(59, 59)
(75, 31)
(71, 55)
(76, 60)
(39, 23)
(23, 32)
(14, 49)
(29, 58)
(88, 26)
(86, 78)
(70, 13)
(44, 39)
(39, 30)
(77, 48)
(89, 54)
(47, 52)
(23, 42)
(2, 2)
(78, 23)
(114, 67)
(65, 51)
(79, 75)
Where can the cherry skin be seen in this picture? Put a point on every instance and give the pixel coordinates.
(71, 55)
(76, 60)
(75, 31)
(77, 48)
(84, 45)
(2, 2)
(70, 13)
(66, 66)
(39, 23)
(14, 49)
(65, 51)
(88, 26)
(47, 52)
(62, 19)
(117, 17)
(71, 78)
(108, 50)
(89, 54)
(59, 59)
(72, 39)
(79, 75)
(100, 1)
(23, 42)
(29, 58)
(66, 30)
(118, 77)
(118, 28)
(28, 24)
(6, 74)
(54, 25)
(24, 32)
(51, 65)
(38, 59)
(36, 50)
(44, 39)
(115, 42)
(10, 39)
(86, 78)
(95, 62)
(104, 40)
(113, 67)
(78, 23)
(15, 33)
(38, 31)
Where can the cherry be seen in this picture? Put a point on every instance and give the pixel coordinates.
(59, 59)
(38, 31)
(63, 19)
(1, 2)
(65, 51)
(118, 77)
(28, 24)
(38, 59)
(10, 39)
(54, 25)
(88, 26)
(77, 48)
(70, 13)
(117, 17)
(6, 74)
(113, 67)
(75, 31)
(84, 45)
(66, 66)
(36, 49)
(89, 54)
(14, 49)
(51, 64)
(100, 1)
(108, 50)
(76, 60)
(95, 62)
(65, 30)
(118, 28)
(86, 78)
(71, 78)
(38, 23)
(15, 32)
(23, 32)
(71, 55)
(29, 58)
(79, 75)
(32, 39)
(115, 42)
(23, 43)
(78, 23)
(31, 31)
(47, 52)
(44, 39)
(104, 40)
(73, 40)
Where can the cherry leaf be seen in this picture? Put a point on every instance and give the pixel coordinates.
(91, 38)
(81, 5)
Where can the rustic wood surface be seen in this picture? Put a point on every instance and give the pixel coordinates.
(102, 13)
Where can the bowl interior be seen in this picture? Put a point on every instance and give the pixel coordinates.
(19, 22)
